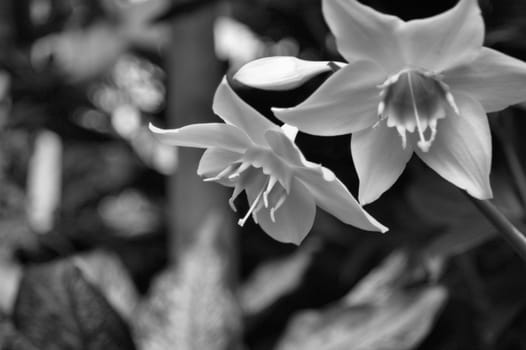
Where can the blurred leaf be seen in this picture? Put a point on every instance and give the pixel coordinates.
(130, 213)
(381, 281)
(138, 20)
(459, 239)
(377, 315)
(464, 227)
(106, 271)
(14, 229)
(86, 53)
(10, 338)
(274, 279)
(500, 319)
(44, 181)
(191, 305)
(84, 167)
(57, 308)
(10, 274)
(81, 54)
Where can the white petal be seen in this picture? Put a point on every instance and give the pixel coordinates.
(494, 79)
(461, 152)
(379, 160)
(446, 40)
(215, 160)
(232, 109)
(284, 147)
(332, 196)
(363, 33)
(204, 135)
(345, 103)
(294, 218)
(279, 72)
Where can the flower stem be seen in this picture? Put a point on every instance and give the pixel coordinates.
(515, 238)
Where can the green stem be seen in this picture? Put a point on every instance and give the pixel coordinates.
(511, 234)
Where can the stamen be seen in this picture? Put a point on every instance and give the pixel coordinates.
(278, 204)
(422, 143)
(271, 183)
(433, 127)
(221, 174)
(255, 203)
(402, 132)
(242, 167)
(237, 191)
(451, 100)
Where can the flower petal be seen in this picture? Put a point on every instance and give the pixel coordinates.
(494, 79)
(279, 72)
(461, 152)
(446, 40)
(379, 160)
(215, 160)
(284, 147)
(294, 218)
(345, 103)
(332, 196)
(232, 109)
(363, 33)
(204, 135)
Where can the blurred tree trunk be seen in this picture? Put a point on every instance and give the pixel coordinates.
(6, 26)
(194, 74)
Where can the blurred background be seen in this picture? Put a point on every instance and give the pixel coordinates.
(109, 240)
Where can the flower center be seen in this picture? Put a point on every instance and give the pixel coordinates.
(271, 194)
(414, 100)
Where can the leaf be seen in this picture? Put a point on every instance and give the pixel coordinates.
(84, 54)
(464, 227)
(106, 271)
(10, 338)
(81, 54)
(380, 282)
(377, 315)
(57, 308)
(273, 280)
(11, 274)
(191, 305)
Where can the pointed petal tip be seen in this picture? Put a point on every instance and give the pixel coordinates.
(160, 132)
(154, 128)
(376, 225)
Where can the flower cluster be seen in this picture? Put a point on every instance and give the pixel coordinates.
(422, 86)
